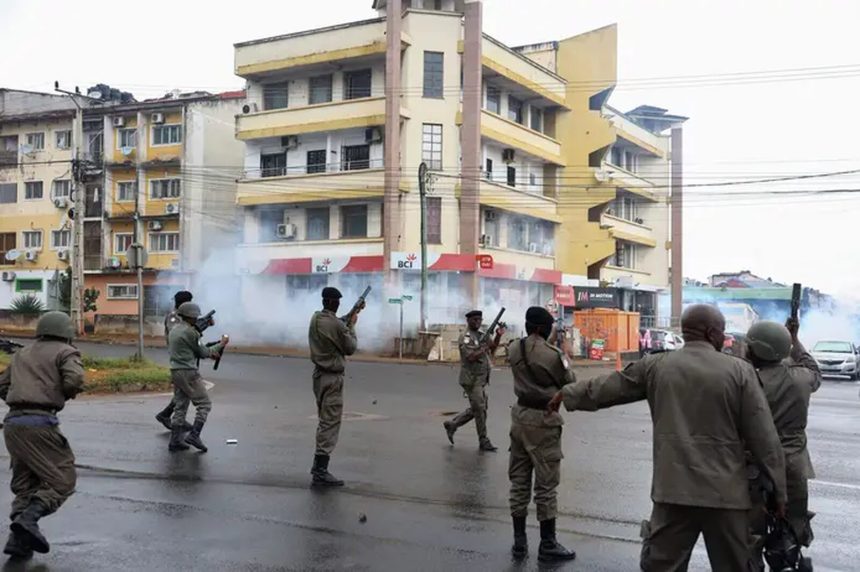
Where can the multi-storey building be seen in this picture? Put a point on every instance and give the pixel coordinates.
(35, 186)
(339, 119)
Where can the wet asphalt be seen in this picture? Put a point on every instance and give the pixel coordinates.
(429, 506)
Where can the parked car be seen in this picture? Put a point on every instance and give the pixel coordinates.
(664, 340)
(837, 359)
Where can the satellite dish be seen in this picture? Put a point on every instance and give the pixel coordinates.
(94, 94)
(127, 151)
(13, 254)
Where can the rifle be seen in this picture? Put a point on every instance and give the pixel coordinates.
(357, 306)
(492, 329)
(203, 321)
(796, 291)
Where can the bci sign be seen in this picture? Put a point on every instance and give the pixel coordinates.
(409, 262)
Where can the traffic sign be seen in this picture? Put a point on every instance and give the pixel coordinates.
(395, 301)
(406, 297)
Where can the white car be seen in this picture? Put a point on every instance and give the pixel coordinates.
(664, 340)
(837, 359)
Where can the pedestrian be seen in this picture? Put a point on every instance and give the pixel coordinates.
(170, 321)
(35, 386)
(788, 386)
(707, 408)
(331, 339)
(186, 350)
(475, 366)
(540, 369)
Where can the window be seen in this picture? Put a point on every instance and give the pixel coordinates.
(320, 90)
(32, 239)
(631, 161)
(357, 84)
(512, 176)
(122, 242)
(36, 141)
(494, 99)
(8, 241)
(166, 134)
(537, 119)
(541, 237)
(126, 190)
(122, 291)
(431, 146)
(434, 220)
(532, 179)
(356, 157)
(517, 233)
(317, 224)
(165, 188)
(433, 74)
(126, 138)
(625, 255)
(274, 165)
(63, 139)
(353, 221)
(8, 193)
(60, 238)
(164, 241)
(28, 285)
(489, 169)
(33, 190)
(276, 96)
(625, 207)
(8, 150)
(316, 161)
(515, 109)
(61, 188)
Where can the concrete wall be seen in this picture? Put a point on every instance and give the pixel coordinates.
(48, 294)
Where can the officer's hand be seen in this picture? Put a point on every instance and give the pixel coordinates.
(555, 403)
(500, 331)
(793, 327)
(211, 322)
(353, 319)
(225, 339)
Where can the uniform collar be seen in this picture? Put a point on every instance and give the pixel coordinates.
(700, 343)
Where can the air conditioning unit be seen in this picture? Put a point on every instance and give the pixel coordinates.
(249, 108)
(490, 215)
(7, 276)
(533, 247)
(486, 240)
(154, 225)
(289, 141)
(63, 254)
(61, 202)
(287, 231)
(171, 208)
(113, 262)
(373, 135)
(119, 121)
(32, 255)
(508, 155)
(157, 118)
(638, 220)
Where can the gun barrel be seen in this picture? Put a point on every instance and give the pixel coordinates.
(796, 293)
(365, 293)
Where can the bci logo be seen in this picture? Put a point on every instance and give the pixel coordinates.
(408, 263)
(324, 266)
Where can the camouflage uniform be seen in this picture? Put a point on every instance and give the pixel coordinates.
(188, 387)
(165, 416)
(474, 378)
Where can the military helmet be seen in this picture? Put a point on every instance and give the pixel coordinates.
(769, 341)
(189, 310)
(57, 324)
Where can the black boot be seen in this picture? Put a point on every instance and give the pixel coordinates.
(18, 547)
(521, 540)
(26, 526)
(164, 416)
(449, 430)
(176, 443)
(193, 438)
(486, 445)
(550, 550)
(321, 476)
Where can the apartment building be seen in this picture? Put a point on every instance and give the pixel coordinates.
(35, 186)
(339, 119)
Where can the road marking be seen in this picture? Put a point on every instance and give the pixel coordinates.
(838, 485)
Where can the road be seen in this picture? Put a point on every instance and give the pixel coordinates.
(429, 506)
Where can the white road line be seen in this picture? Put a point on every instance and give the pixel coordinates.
(838, 485)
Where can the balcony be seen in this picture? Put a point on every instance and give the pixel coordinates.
(346, 114)
(642, 138)
(514, 67)
(623, 229)
(511, 134)
(360, 184)
(507, 198)
(631, 182)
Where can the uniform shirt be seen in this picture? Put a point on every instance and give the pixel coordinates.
(330, 340)
(705, 406)
(171, 321)
(185, 347)
(42, 375)
(788, 387)
(538, 377)
(472, 372)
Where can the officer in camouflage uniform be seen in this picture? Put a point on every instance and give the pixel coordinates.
(540, 369)
(475, 366)
(35, 386)
(331, 339)
(170, 321)
(706, 409)
(788, 386)
(185, 351)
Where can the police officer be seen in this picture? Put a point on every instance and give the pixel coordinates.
(170, 321)
(540, 369)
(35, 386)
(788, 386)
(185, 351)
(475, 368)
(706, 408)
(331, 339)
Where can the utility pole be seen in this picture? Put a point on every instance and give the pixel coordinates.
(137, 260)
(422, 196)
(677, 202)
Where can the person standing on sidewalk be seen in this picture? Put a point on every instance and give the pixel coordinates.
(36, 386)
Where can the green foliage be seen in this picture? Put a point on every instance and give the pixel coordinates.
(90, 297)
(27, 305)
(65, 288)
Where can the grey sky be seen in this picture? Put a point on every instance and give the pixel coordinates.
(760, 129)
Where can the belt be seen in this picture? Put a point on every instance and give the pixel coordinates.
(21, 408)
(533, 402)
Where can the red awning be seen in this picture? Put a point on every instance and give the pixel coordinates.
(499, 270)
(546, 276)
(453, 263)
(365, 264)
(288, 266)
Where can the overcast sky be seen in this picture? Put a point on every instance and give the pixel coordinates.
(756, 129)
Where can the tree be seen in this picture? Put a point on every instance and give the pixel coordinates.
(90, 297)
